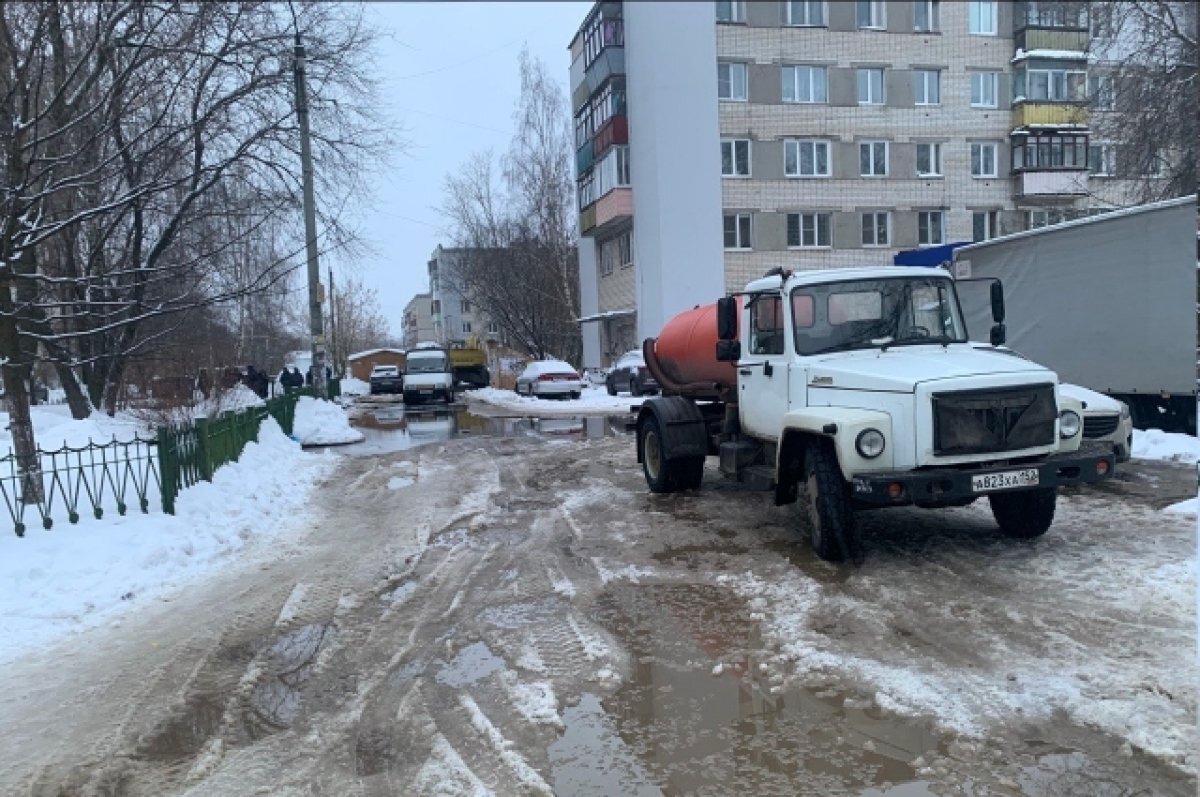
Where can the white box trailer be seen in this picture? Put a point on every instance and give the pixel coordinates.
(1108, 302)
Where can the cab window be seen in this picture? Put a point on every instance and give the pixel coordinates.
(766, 325)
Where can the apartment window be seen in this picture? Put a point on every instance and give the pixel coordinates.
(621, 155)
(735, 157)
(731, 81)
(806, 13)
(984, 225)
(930, 231)
(984, 91)
(493, 328)
(608, 257)
(870, 15)
(873, 158)
(806, 158)
(730, 11)
(1056, 14)
(1102, 159)
(927, 86)
(809, 230)
(983, 160)
(737, 231)
(927, 16)
(1101, 20)
(1050, 152)
(466, 327)
(1052, 84)
(875, 228)
(929, 160)
(587, 190)
(464, 306)
(1100, 91)
(602, 32)
(1151, 164)
(1043, 218)
(870, 87)
(982, 18)
(804, 84)
(625, 249)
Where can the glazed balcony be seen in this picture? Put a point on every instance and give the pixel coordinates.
(1049, 184)
(1050, 114)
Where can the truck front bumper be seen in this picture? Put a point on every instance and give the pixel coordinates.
(949, 486)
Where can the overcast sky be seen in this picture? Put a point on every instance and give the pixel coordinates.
(449, 82)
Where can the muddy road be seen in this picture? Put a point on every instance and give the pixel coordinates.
(517, 615)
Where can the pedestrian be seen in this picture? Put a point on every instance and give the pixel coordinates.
(308, 377)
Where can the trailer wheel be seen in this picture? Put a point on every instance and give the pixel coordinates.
(1024, 515)
(832, 530)
(661, 473)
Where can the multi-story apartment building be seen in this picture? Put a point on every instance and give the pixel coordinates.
(455, 319)
(417, 326)
(845, 132)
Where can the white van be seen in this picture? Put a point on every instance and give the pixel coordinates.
(427, 377)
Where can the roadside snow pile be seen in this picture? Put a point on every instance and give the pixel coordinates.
(594, 401)
(1169, 446)
(355, 387)
(77, 576)
(322, 423)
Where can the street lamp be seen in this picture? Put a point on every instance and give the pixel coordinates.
(316, 321)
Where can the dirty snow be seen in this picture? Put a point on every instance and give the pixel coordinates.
(1170, 446)
(355, 387)
(594, 401)
(322, 423)
(77, 576)
(1188, 507)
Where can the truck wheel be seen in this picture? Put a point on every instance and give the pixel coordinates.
(691, 473)
(1026, 514)
(661, 473)
(832, 530)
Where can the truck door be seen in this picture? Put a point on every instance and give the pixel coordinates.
(763, 368)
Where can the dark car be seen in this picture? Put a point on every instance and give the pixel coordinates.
(386, 379)
(630, 373)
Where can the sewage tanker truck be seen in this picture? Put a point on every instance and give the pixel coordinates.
(851, 389)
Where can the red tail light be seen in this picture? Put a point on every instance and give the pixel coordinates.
(546, 378)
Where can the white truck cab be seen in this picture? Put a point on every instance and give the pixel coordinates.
(428, 376)
(859, 388)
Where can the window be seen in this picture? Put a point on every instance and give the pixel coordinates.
(982, 18)
(587, 190)
(927, 86)
(1056, 14)
(984, 89)
(804, 84)
(811, 13)
(464, 306)
(927, 16)
(766, 325)
(870, 14)
(608, 256)
(1049, 152)
(730, 11)
(601, 32)
(1102, 20)
(735, 157)
(929, 160)
(870, 87)
(1052, 84)
(1100, 92)
(625, 249)
(806, 158)
(1102, 159)
(466, 327)
(1151, 164)
(873, 158)
(983, 225)
(731, 81)
(809, 230)
(875, 228)
(930, 228)
(737, 231)
(983, 160)
(1043, 218)
(493, 328)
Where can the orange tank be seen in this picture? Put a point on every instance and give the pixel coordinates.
(686, 349)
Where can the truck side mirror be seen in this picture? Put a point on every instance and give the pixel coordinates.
(727, 321)
(729, 351)
(999, 334)
(997, 302)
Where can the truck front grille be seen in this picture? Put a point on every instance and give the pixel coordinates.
(993, 420)
(1100, 425)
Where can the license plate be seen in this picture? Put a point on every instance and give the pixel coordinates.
(1006, 480)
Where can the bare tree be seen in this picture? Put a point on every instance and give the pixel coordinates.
(514, 225)
(1149, 50)
(358, 321)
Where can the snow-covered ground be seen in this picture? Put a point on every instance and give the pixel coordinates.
(355, 387)
(594, 401)
(72, 577)
(1169, 446)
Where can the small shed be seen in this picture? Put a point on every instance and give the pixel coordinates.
(363, 362)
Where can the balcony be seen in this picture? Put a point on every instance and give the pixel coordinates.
(615, 206)
(587, 218)
(1050, 114)
(1058, 39)
(585, 156)
(615, 131)
(1052, 184)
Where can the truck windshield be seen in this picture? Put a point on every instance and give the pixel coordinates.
(427, 365)
(867, 314)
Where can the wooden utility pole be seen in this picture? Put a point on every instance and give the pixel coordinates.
(316, 321)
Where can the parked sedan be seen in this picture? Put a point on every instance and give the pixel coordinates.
(630, 373)
(550, 378)
(386, 379)
(1104, 418)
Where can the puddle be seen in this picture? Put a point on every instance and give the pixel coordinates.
(393, 427)
(474, 662)
(275, 701)
(590, 758)
(697, 727)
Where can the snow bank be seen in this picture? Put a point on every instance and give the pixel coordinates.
(1188, 507)
(1169, 446)
(594, 401)
(355, 387)
(322, 423)
(77, 576)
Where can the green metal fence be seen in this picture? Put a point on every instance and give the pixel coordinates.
(120, 473)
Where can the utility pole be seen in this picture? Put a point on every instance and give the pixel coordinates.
(316, 322)
(335, 356)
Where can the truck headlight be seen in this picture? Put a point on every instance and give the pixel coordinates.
(869, 443)
(1124, 411)
(1068, 424)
